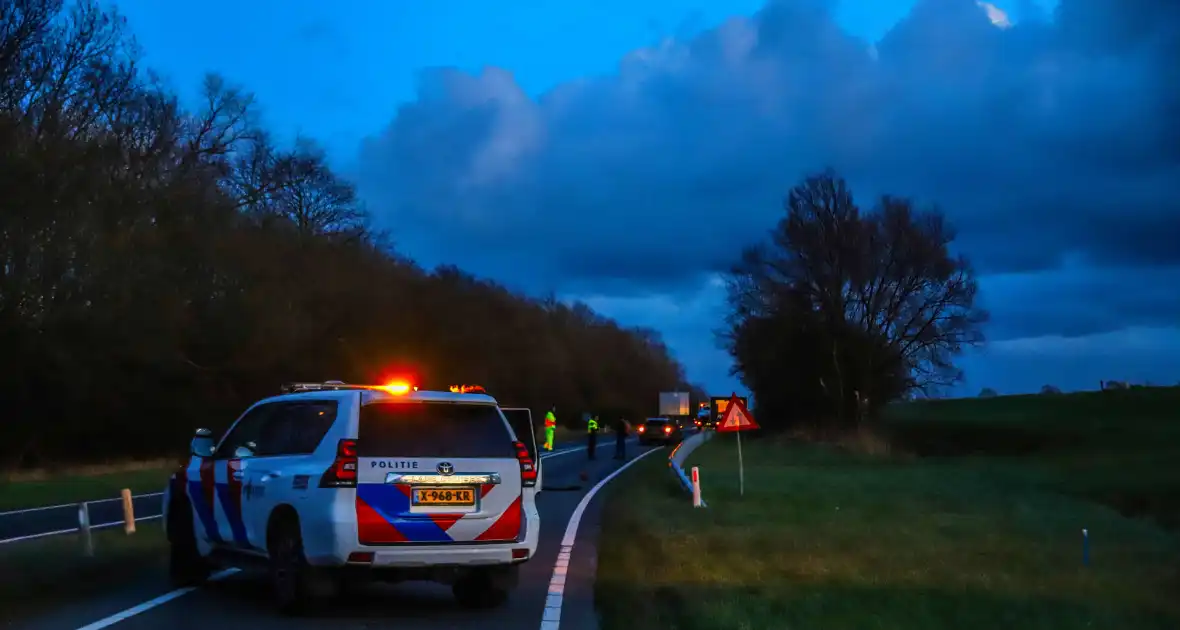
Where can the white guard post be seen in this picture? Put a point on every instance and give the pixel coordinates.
(84, 529)
(696, 487)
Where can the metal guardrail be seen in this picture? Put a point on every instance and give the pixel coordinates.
(85, 523)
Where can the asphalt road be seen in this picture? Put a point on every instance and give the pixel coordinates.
(241, 600)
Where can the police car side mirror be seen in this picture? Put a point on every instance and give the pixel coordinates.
(245, 450)
(202, 444)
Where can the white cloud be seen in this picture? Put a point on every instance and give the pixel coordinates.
(995, 14)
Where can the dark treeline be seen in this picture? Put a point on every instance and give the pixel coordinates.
(843, 310)
(161, 268)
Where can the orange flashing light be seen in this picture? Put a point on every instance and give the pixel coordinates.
(468, 389)
(397, 388)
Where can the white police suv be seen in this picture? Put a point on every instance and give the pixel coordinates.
(332, 481)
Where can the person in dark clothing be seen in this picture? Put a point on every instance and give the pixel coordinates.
(622, 429)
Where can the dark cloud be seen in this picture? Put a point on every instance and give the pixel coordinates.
(1077, 300)
(1049, 141)
(1136, 355)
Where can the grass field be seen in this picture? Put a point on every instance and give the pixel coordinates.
(75, 484)
(1121, 448)
(982, 532)
(39, 574)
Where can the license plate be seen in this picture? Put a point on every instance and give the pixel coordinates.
(429, 497)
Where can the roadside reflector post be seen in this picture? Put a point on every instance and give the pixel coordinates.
(84, 529)
(696, 487)
(128, 512)
(741, 468)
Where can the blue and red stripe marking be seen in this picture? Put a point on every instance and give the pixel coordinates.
(204, 490)
(200, 494)
(384, 517)
(230, 494)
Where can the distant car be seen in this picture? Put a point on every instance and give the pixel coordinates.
(704, 420)
(659, 431)
(386, 482)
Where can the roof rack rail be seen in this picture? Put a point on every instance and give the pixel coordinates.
(291, 388)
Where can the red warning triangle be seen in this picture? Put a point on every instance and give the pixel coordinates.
(737, 417)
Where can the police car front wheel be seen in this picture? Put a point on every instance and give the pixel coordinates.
(186, 567)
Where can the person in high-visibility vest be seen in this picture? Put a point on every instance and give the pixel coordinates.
(591, 435)
(550, 427)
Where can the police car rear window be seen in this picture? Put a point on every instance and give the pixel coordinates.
(655, 421)
(426, 429)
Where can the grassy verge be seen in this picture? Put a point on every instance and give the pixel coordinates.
(827, 539)
(39, 574)
(1117, 447)
(75, 484)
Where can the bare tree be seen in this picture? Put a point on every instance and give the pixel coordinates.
(312, 197)
(875, 300)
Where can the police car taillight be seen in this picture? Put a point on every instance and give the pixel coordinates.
(342, 474)
(667, 429)
(528, 468)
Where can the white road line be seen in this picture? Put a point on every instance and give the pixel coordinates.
(575, 449)
(72, 530)
(551, 618)
(152, 603)
(564, 451)
(74, 505)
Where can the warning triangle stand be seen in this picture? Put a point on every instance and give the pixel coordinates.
(737, 417)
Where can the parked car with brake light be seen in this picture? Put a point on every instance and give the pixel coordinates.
(659, 430)
(705, 419)
(329, 481)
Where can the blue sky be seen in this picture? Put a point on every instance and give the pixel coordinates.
(338, 71)
(620, 152)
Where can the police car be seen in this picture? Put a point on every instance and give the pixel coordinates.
(331, 482)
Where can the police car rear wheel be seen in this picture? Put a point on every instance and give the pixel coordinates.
(289, 570)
